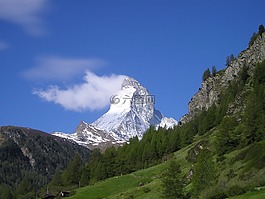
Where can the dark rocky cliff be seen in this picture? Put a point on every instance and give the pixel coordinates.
(210, 89)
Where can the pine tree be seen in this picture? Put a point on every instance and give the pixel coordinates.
(99, 173)
(85, 176)
(204, 172)
(206, 74)
(254, 114)
(244, 74)
(232, 58)
(253, 119)
(72, 173)
(110, 163)
(207, 119)
(229, 59)
(261, 29)
(226, 136)
(95, 165)
(57, 179)
(252, 39)
(171, 182)
(6, 192)
(214, 71)
(25, 186)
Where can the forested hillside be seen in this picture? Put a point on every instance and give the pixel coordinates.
(29, 159)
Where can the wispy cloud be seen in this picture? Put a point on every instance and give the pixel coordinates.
(25, 13)
(60, 68)
(3, 45)
(92, 94)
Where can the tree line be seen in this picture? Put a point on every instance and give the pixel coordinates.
(154, 148)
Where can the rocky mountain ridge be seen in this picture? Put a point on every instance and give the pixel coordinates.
(209, 92)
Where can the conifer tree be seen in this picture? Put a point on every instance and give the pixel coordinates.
(73, 172)
(253, 119)
(229, 59)
(6, 192)
(204, 172)
(57, 179)
(171, 182)
(226, 137)
(244, 74)
(25, 186)
(214, 71)
(206, 74)
(261, 29)
(85, 176)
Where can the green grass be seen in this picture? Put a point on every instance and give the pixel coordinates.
(152, 172)
(153, 191)
(252, 195)
(111, 187)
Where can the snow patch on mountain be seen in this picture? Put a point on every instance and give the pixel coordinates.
(86, 134)
(168, 123)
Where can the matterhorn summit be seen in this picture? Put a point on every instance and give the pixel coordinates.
(131, 113)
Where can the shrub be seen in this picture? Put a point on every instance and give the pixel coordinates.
(147, 189)
(236, 190)
(214, 192)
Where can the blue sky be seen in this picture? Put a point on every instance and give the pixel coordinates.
(72, 47)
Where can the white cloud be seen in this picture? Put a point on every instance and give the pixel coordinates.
(58, 68)
(93, 94)
(25, 13)
(3, 45)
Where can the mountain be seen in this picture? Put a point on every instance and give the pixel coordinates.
(211, 88)
(26, 152)
(131, 113)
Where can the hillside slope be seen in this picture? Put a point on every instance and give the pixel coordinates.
(146, 184)
(31, 154)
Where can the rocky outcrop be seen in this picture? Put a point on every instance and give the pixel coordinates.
(210, 90)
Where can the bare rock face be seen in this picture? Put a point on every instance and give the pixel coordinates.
(210, 90)
(205, 97)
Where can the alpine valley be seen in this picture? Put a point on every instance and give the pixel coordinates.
(131, 113)
(215, 151)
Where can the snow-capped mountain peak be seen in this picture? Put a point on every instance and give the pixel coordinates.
(131, 113)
